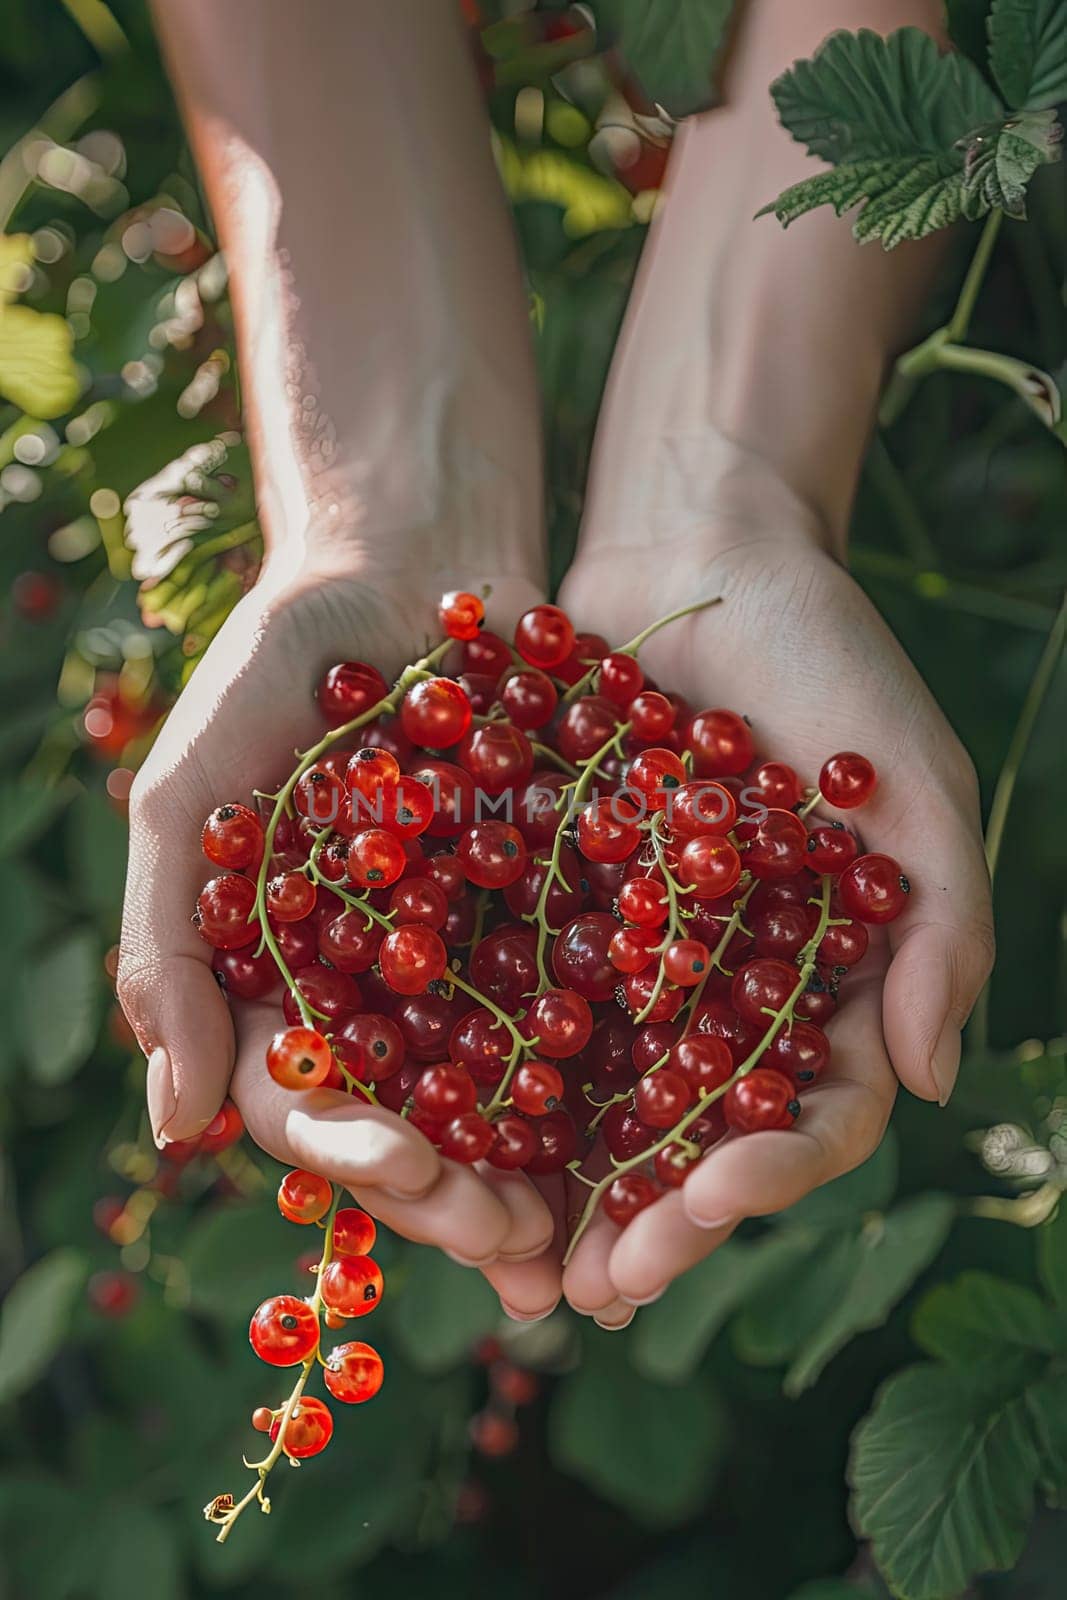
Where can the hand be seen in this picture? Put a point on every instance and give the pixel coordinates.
(796, 645)
(248, 707)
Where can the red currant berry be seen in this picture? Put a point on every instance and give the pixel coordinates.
(262, 1419)
(561, 1022)
(334, 995)
(847, 780)
(581, 959)
(662, 1098)
(778, 785)
(800, 1052)
(244, 974)
(497, 756)
(781, 930)
(544, 636)
(709, 866)
(354, 1232)
(375, 859)
(445, 1091)
(620, 678)
(831, 847)
(435, 713)
(585, 727)
(492, 854)
(504, 967)
(223, 909)
(371, 778)
(466, 1139)
(874, 889)
(703, 1061)
(488, 653)
(309, 1429)
(607, 830)
(350, 942)
(299, 1058)
(652, 1044)
(699, 808)
(418, 900)
(631, 949)
(778, 846)
(564, 897)
(760, 1101)
(514, 1144)
(638, 991)
(627, 1196)
(557, 1142)
(721, 743)
(672, 1165)
(651, 715)
(290, 897)
(371, 1047)
(654, 775)
(762, 986)
(589, 648)
(411, 958)
(233, 837)
(529, 698)
(320, 795)
(351, 1285)
(304, 1196)
(843, 944)
(493, 1435)
(353, 1372)
(461, 614)
(350, 690)
(686, 962)
(408, 810)
(452, 793)
(536, 1088)
(284, 1331)
(644, 902)
(516, 1385)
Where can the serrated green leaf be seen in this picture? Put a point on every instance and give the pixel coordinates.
(441, 1310)
(1028, 51)
(890, 1255)
(671, 46)
(652, 1451)
(37, 371)
(59, 1006)
(36, 1317)
(981, 1318)
(863, 97)
(1000, 161)
(671, 1337)
(901, 198)
(943, 1472)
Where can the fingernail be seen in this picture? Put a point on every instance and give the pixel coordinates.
(160, 1091)
(468, 1261)
(616, 1327)
(526, 1316)
(524, 1255)
(710, 1222)
(945, 1062)
(649, 1300)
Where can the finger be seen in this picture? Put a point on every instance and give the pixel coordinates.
(658, 1246)
(165, 983)
(325, 1130)
(841, 1124)
(587, 1282)
(532, 1230)
(529, 1290)
(459, 1215)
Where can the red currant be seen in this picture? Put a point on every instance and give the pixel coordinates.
(309, 1429)
(686, 962)
(350, 941)
(529, 698)
(662, 1098)
(418, 900)
(644, 901)
(631, 949)
(709, 866)
(354, 1232)
(299, 1058)
(800, 1052)
(628, 1195)
(831, 847)
(497, 756)
(843, 944)
(233, 837)
(371, 1047)
(223, 909)
(651, 715)
(721, 743)
(461, 614)
(581, 956)
(762, 986)
(778, 846)
(353, 1372)
(778, 785)
(557, 1142)
(655, 774)
(435, 713)
(350, 690)
(452, 793)
(320, 795)
(544, 636)
(638, 989)
(375, 859)
(304, 1196)
(536, 1088)
(585, 727)
(606, 829)
(351, 1285)
(514, 1144)
(847, 780)
(620, 678)
(700, 808)
(493, 854)
(290, 897)
(284, 1331)
(703, 1061)
(445, 1091)
(334, 995)
(411, 958)
(466, 1139)
(588, 649)
(244, 974)
(874, 889)
(561, 1022)
(762, 1100)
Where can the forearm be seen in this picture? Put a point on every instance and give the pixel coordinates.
(740, 333)
(388, 381)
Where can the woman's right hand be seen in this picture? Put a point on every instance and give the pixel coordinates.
(247, 709)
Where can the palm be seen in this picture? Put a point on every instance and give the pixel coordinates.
(796, 646)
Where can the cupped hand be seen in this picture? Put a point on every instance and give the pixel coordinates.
(247, 709)
(796, 646)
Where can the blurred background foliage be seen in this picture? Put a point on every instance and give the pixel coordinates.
(708, 1446)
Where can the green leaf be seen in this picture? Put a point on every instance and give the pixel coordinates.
(37, 371)
(651, 1451)
(1000, 161)
(137, 1555)
(36, 1317)
(58, 1006)
(868, 1187)
(1028, 51)
(890, 1254)
(832, 1589)
(863, 97)
(775, 1323)
(1052, 1256)
(35, 1561)
(235, 1257)
(670, 1338)
(978, 1317)
(670, 45)
(97, 845)
(25, 811)
(943, 1472)
(900, 198)
(441, 1310)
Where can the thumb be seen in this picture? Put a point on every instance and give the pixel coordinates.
(165, 983)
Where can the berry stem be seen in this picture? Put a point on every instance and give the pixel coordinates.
(519, 1045)
(554, 757)
(226, 1518)
(780, 1017)
(631, 649)
(674, 920)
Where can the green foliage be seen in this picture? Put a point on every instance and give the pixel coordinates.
(1028, 51)
(671, 45)
(917, 139)
(59, 1006)
(36, 1319)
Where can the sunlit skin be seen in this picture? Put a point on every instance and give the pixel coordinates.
(391, 404)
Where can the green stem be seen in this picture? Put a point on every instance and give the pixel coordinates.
(1040, 684)
(780, 1017)
(674, 928)
(631, 649)
(519, 1045)
(263, 1468)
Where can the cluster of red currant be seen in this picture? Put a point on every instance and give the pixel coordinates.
(540, 899)
(286, 1332)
